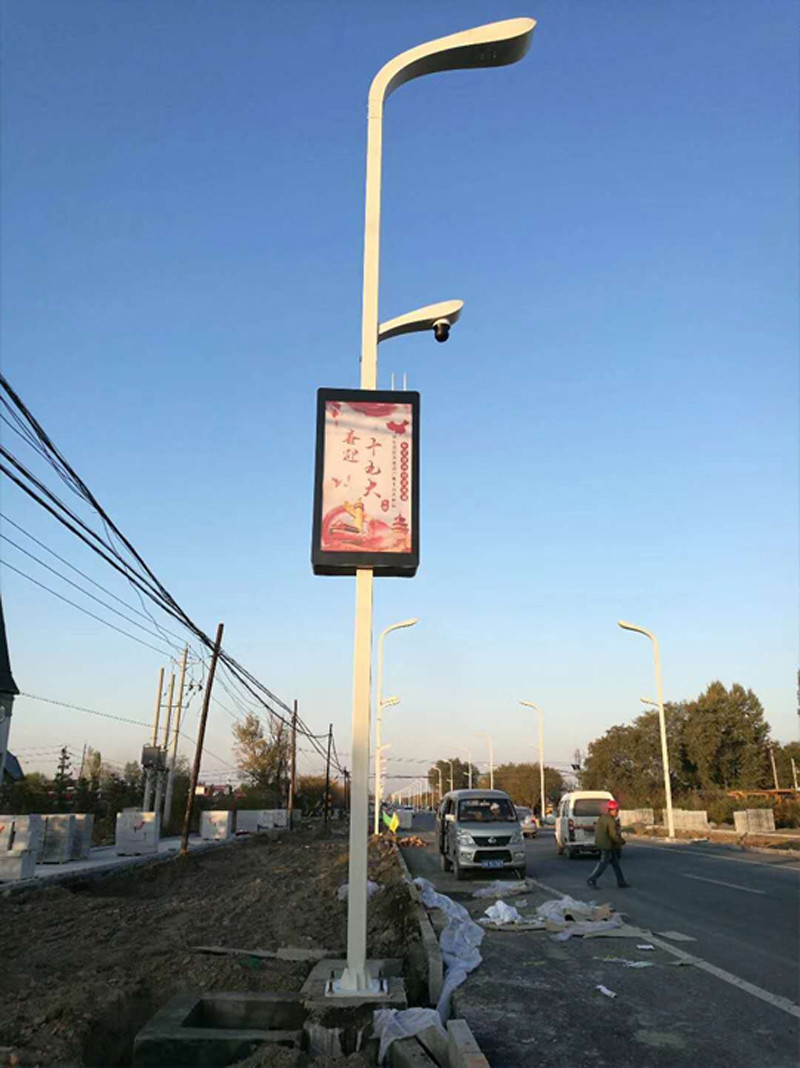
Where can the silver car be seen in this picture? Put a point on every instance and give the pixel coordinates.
(479, 829)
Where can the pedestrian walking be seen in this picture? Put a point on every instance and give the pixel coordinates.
(609, 841)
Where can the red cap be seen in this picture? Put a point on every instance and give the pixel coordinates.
(613, 804)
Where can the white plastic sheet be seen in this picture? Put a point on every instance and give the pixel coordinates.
(458, 942)
(500, 912)
(392, 1024)
(503, 888)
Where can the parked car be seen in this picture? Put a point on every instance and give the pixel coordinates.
(479, 830)
(527, 821)
(576, 818)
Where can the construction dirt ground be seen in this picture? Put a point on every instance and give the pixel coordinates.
(85, 966)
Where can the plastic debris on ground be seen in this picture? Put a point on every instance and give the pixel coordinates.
(676, 936)
(500, 912)
(389, 1025)
(645, 945)
(372, 888)
(458, 942)
(604, 990)
(628, 963)
(501, 888)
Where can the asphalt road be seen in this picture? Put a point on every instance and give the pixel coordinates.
(533, 1001)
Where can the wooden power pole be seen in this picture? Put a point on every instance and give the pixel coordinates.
(148, 782)
(293, 770)
(774, 769)
(198, 753)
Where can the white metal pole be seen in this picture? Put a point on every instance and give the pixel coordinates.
(541, 765)
(493, 45)
(450, 762)
(491, 764)
(794, 772)
(441, 792)
(662, 723)
(469, 758)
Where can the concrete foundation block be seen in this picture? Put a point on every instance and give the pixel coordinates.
(137, 833)
(435, 1045)
(219, 1028)
(686, 819)
(629, 816)
(55, 846)
(82, 840)
(409, 1053)
(21, 834)
(463, 1051)
(216, 826)
(16, 866)
(280, 818)
(754, 821)
(253, 820)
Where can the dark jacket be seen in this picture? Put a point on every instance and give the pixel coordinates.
(606, 834)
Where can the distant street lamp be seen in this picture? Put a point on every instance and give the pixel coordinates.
(483, 734)
(661, 720)
(530, 704)
(493, 45)
(379, 717)
(452, 786)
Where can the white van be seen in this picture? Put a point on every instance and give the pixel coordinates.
(575, 819)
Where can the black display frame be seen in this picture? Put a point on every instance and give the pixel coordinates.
(388, 565)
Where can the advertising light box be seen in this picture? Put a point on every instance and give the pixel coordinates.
(366, 482)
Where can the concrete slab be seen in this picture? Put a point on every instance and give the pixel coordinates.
(408, 1053)
(216, 826)
(17, 866)
(463, 1050)
(55, 846)
(82, 839)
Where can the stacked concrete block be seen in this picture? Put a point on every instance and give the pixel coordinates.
(14, 866)
(137, 833)
(82, 841)
(280, 818)
(21, 833)
(216, 826)
(686, 819)
(754, 821)
(56, 844)
(254, 820)
(629, 816)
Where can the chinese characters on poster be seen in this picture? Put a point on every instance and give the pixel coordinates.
(366, 492)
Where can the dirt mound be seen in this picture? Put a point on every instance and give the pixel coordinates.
(85, 967)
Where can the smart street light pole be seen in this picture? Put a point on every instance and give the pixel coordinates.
(494, 45)
(530, 704)
(661, 720)
(450, 762)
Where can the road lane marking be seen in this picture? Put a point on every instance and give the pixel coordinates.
(719, 882)
(778, 866)
(784, 1004)
(779, 1002)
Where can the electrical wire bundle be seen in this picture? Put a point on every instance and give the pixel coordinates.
(245, 690)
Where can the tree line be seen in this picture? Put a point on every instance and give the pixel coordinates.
(717, 742)
(520, 781)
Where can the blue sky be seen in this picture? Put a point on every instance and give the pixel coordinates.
(611, 431)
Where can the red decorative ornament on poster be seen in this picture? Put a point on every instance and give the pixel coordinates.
(366, 496)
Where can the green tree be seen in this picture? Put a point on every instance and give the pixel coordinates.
(62, 781)
(262, 757)
(725, 737)
(784, 754)
(521, 783)
(460, 773)
(311, 794)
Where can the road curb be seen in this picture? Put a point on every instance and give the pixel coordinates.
(430, 944)
(735, 846)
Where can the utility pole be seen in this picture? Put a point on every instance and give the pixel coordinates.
(198, 753)
(328, 776)
(794, 773)
(161, 772)
(774, 769)
(174, 757)
(346, 775)
(293, 771)
(148, 782)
